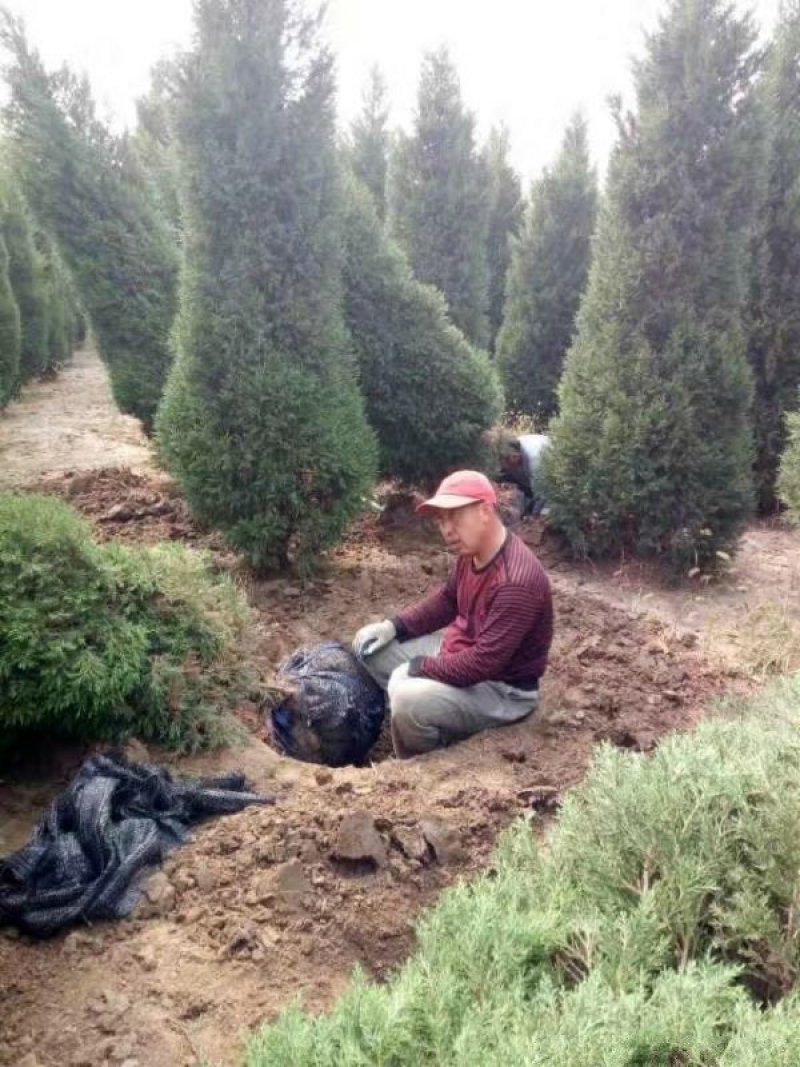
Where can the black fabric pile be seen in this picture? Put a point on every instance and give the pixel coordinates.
(114, 820)
(335, 712)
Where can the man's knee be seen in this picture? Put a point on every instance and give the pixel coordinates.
(412, 732)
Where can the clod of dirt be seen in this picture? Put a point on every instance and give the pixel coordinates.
(358, 840)
(290, 882)
(245, 943)
(158, 899)
(542, 798)
(118, 513)
(411, 843)
(135, 752)
(204, 879)
(444, 840)
(146, 956)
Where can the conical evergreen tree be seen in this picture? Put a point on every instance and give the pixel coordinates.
(774, 348)
(10, 332)
(26, 274)
(429, 394)
(437, 203)
(64, 314)
(369, 140)
(262, 422)
(505, 209)
(86, 188)
(652, 447)
(549, 268)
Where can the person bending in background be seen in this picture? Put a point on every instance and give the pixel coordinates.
(471, 654)
(521, 465)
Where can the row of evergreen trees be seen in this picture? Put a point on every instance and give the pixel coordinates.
(40, 317)
(308, 355)
(335, 301)
(687, 336)
(88, 188)
(685, 358)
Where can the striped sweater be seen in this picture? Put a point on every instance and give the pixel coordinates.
(499, 621)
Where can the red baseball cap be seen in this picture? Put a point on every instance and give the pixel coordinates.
(460, 489)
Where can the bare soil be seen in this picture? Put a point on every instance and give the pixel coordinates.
(266, 907)
(69, 422)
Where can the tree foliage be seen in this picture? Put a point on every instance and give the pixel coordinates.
(774, 348)
(28, 283)
(505, 211)
(368, 148)
(87, 188)
(262, 422)
(65, 318)
(547, 277)
(652, 447)
(10, 331)
(429, 394)
(437, 203)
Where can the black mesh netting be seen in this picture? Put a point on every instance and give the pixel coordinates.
(335, 711)
(114, 820)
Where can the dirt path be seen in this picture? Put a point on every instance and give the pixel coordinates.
(69, 423)
(260, 909)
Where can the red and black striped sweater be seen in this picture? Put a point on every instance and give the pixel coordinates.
(499, 621)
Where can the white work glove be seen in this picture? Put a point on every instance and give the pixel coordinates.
(371, 639)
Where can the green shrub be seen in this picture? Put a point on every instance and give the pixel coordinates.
(789, 470)
(429, 393)
(101, 641)
(648, 930)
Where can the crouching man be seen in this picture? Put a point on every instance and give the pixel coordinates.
(470, 655)
(521, 465)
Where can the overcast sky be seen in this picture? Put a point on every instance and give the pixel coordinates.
(529, 63)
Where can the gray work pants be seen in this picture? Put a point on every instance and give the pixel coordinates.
(427, 714)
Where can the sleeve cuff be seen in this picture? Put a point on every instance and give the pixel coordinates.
(401, 633)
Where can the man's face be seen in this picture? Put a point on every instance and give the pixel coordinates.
(465, 529)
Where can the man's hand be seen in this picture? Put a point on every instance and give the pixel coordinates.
(371, 639)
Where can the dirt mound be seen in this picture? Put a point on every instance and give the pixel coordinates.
(282, 902)
(129, 506)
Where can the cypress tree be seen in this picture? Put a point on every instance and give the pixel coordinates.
(153, 143)
(26, 274)
(774, 348)
(437, 203)
(652, 447)
(62, 306)
(262, 422)
(86, 187)
(10, 331)
(429, 394)
(549, 268)
(369, 140)
(505, 208)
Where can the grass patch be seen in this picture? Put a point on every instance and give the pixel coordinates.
(657, 925)
(101, 642)
(770, 641)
